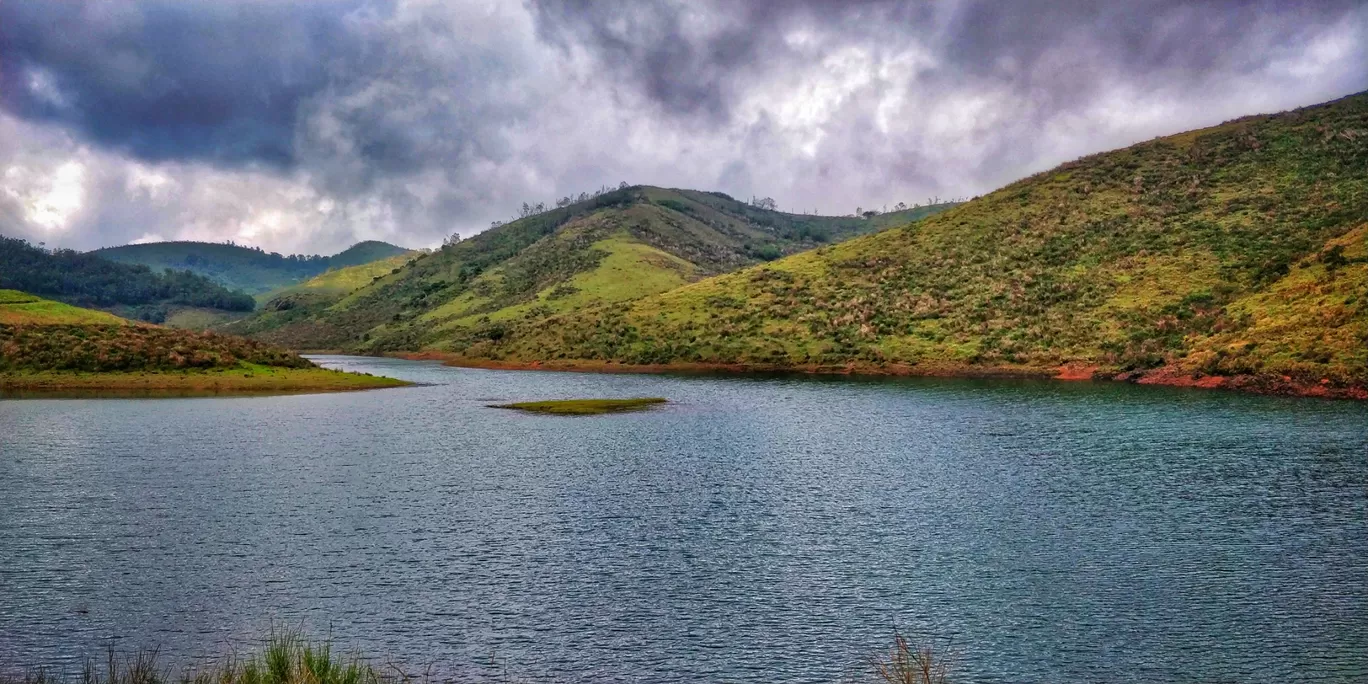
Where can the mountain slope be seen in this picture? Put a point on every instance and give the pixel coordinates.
(365, 253)
(338, 282)
(245, 268)
(88, 280)
(1230, 255)
(619, 246)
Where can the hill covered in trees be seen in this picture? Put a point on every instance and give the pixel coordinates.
(245, 268)
(88, 280)
(1230, 256)
(615, 246)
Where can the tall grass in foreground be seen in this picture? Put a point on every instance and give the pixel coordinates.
(907, 663)
(286, 658)
(289, 658)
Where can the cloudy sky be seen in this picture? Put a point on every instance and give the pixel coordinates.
(306, 126)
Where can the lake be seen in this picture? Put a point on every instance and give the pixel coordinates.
(754, 529)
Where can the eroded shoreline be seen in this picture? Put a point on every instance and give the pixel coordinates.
(1168, 377)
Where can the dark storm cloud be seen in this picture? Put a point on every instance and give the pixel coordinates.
(173, 79)
(305, 125)
(698, 58)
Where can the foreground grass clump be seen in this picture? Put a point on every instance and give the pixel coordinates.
(285, 659)
(288, 658)
(907, 663)
(583, 407)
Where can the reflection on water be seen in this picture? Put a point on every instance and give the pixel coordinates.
(759, 529)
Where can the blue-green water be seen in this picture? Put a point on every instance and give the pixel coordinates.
(753, 530)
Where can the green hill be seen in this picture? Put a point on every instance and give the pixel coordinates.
(130, 290)
(365, 253)
(284, 306)
(339, 282)
(619, 246)
(21, 308)
(245, 268)
(47, 345)
(1233, 255)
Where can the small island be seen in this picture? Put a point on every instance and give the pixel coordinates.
(583, 407)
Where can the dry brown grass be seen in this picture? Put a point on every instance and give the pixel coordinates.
(907, 663)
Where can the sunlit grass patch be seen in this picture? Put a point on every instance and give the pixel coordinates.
(583, 407)
(21, 308)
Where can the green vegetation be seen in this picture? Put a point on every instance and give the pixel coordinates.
(18, 308)
(615, 247)
(88, 280)
(47, 345)
(300, 302)
(289, 658)
(336, 283)
(199, 318)
(245, 378)
(121, 347)
(1231, 255)
(583, 407)
(286, 658)
(245, 268)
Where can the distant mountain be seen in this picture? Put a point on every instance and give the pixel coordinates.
(1229, 256)
(91, 281)
(615, 247)
(245, 268)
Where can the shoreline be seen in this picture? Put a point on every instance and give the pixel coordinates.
(1073, 372)
(216, 382)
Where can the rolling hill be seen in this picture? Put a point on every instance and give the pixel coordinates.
(128, 290)
(244, 268)
(619, 246)
(1231, 256)
(338, 282)
(22, 308)
(48, 345)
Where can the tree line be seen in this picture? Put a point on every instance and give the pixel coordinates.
(89, 280)
(534, 208)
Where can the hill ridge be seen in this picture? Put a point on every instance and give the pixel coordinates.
(617, 246)
(1232, 255)
(251, 269)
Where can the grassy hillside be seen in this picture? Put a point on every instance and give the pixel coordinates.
(50, 345)
(282, 307)
(249, 269)
(1230, 255)
(365, 253)
(617, 247)
(21, 308)
(339, 282)
(130, 290)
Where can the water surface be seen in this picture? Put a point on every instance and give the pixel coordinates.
(755, 529)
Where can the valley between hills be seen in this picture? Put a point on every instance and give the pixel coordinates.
(1233, 256)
